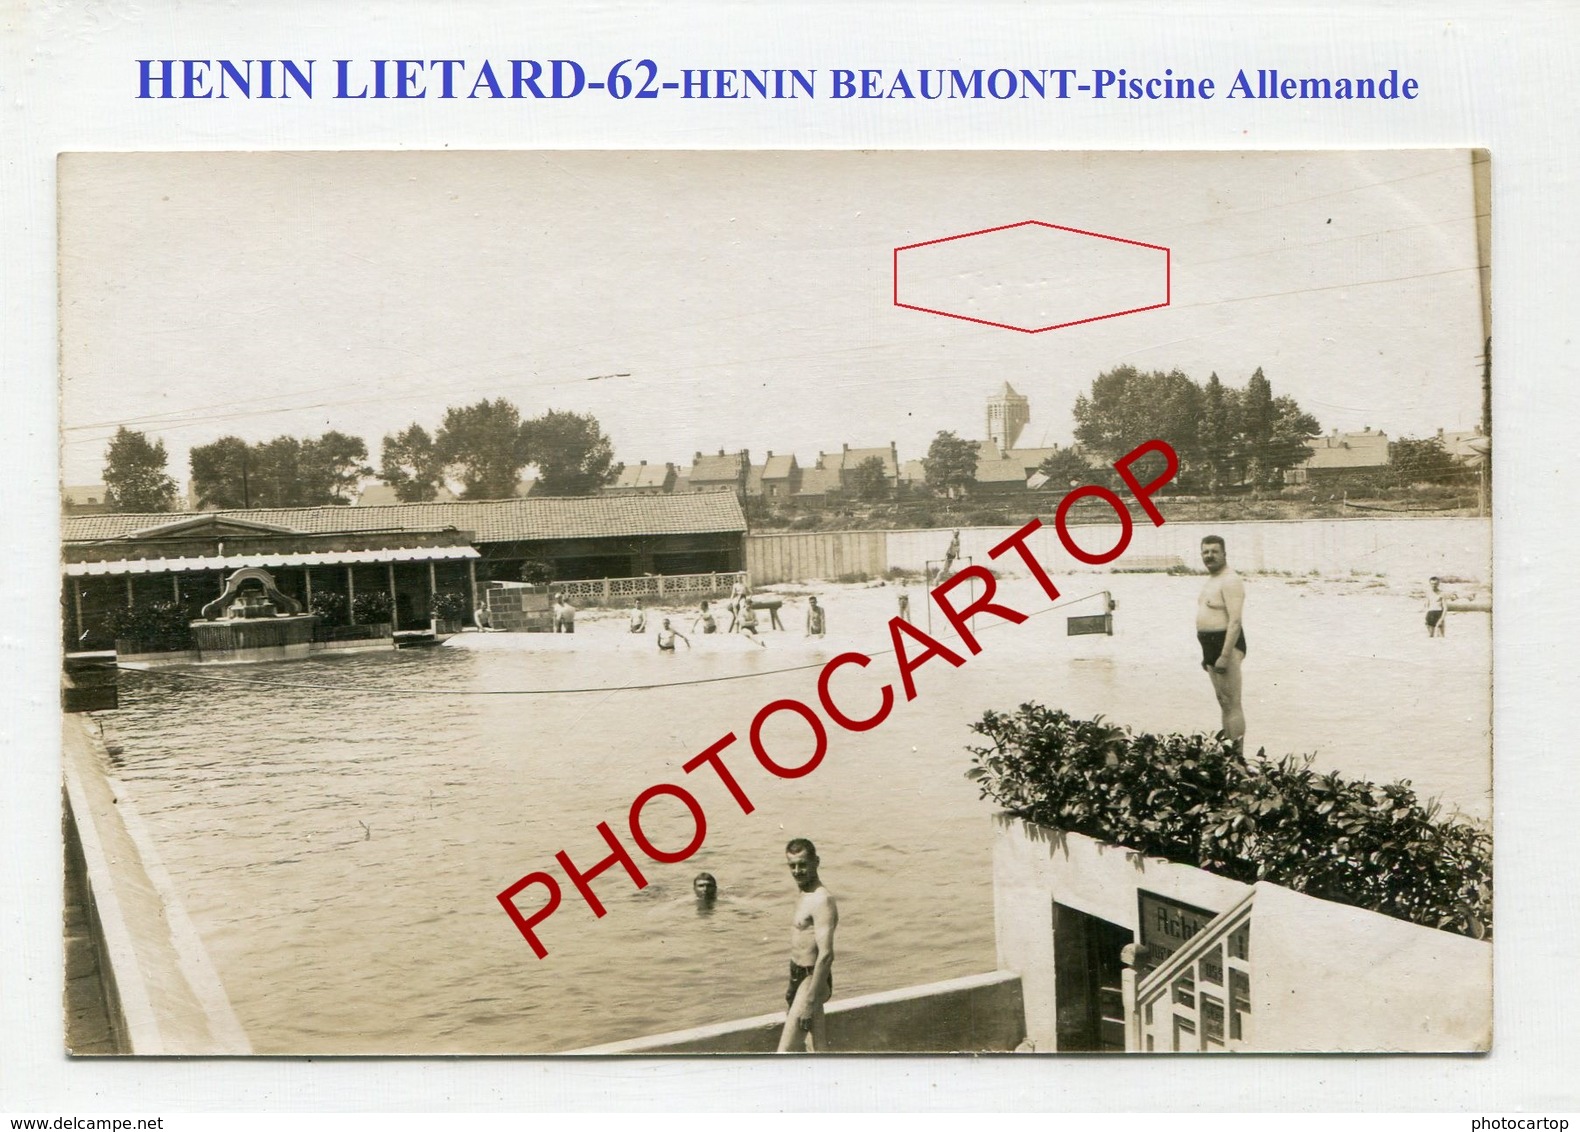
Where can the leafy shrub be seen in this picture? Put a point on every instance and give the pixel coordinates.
(330, 608)
(158, 626)
(450, 605)
(1197, 800)
(372, 607)
(537, 573)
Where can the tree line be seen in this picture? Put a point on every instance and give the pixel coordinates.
(482, 449)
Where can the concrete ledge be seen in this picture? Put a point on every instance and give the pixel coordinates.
(974, 1014)
(168, 999)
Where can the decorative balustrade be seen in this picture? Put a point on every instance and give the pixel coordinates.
(616, 591)
(1199, 998)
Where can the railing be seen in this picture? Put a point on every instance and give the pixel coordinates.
(610, 591)
(1199, 998)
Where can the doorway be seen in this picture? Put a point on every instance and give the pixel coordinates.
(1087, 986)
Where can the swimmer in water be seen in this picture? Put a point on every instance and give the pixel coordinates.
(666, 638)
(706, 889)
(748, 624)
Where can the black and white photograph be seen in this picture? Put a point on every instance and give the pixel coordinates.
(728, 602)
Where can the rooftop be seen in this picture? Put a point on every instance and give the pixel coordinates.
(503, 520)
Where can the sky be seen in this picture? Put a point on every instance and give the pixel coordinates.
(746, 297)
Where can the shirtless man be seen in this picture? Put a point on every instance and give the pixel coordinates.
(816, 619)
(1437, 609)
(811, 953)
(1221, 633)
(748, 623)
(666, 638)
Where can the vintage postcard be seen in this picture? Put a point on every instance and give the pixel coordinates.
(563, 602)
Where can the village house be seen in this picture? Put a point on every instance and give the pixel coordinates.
(1340, 457)
(643, 479)
(725, 470)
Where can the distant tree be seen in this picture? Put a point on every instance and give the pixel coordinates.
(135, 479)
(1066, 468)
(331, 467)
(1257, 416)
(283, 472)
(1421, 461)
(485, 447)
(868, 480)
(950, 464)
(1217, 434)
(1127, 407)
(1223, 436)
(573, 455)
(221, 474)
(1286, 447)
(410, 464)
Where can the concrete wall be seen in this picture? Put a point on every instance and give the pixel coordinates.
(822, 554)
(1330, 977)
(1402, 547)
(1325, 977)
(978, 1013)
(168, 998)
(1034, 867)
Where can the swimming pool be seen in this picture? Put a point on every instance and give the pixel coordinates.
(339, 838)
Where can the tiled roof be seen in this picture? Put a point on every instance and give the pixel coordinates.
(504, 520)
(913, 471)
(818, 481)
(848, 458)
(728, 468)
(643, 476)
(1029, 458)
(778, 467)
(1352, 450)
(1000, 471)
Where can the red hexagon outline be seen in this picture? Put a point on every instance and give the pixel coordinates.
(1168, 276)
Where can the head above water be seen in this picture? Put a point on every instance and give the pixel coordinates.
(705, 887)
(801, 856)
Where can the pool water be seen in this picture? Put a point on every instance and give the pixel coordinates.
(339, 834)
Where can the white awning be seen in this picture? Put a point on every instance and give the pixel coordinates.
(284, 558)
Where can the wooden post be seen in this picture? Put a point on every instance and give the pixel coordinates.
(175, 588)
(307, 587)
(128, 591)
(394, 602)
(351, 598)
(471, 584)
(76, 601)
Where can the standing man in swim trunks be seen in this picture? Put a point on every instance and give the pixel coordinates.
(1436, 610)
(1221, 633)
(816, 619)
(811, 953)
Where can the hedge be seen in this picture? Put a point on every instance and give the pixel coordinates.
(1197, 800)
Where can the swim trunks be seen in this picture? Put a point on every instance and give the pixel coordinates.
(1212, 644)
(1433, 616)
(799, 975)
